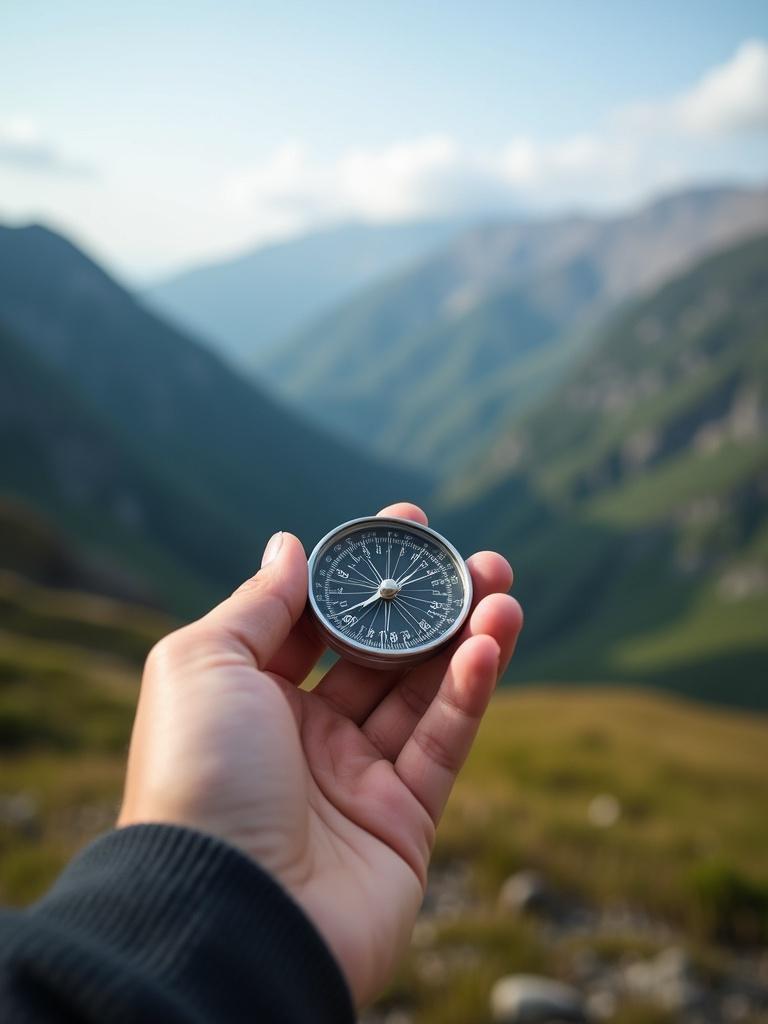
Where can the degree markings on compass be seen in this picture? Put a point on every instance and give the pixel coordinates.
(404, 579)
(423, 600)
(421, 610)
(419, 631)
(436, 618)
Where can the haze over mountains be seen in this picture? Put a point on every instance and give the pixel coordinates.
(248, 303)
(589, 396)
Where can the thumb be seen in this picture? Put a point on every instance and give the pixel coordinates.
(260, 614)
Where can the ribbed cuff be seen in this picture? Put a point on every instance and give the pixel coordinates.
(157, 918)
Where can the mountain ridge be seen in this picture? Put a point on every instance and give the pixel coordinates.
(634, 500)
(475, 296)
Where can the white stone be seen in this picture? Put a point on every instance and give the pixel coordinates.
(529, 999)
(604, 810)
(524, 892)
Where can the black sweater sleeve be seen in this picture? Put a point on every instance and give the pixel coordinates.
(159, 923)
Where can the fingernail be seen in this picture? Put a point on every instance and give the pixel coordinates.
(272, 549)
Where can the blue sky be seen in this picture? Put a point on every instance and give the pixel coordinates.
(161, 134)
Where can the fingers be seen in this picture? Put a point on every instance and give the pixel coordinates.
(405, 510)
(260, 614)
(439, 744)
(491, 574)
(390, 724)
(355, 691)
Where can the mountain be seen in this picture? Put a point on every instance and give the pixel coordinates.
(66, 460)
(633, 501)
(140, 442)
(429, 365)
(249, 303)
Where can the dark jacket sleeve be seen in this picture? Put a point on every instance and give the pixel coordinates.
(158, 923)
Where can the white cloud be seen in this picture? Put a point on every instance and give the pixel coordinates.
(429, 176)
(731, 99)
(528, 164)
(625, 159)
(421, 177)
(432, 176)
(412, 178)
(286, 178)
(23, 147)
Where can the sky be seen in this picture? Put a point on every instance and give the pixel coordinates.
(160, 135)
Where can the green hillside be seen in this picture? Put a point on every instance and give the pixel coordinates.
(429, 365)
(144, 444)
(69, 669)
(634, 501)
(63, 457)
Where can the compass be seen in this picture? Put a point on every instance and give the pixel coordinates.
(387, 592)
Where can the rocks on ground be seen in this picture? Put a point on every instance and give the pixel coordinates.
(529, 999)
(526, 892)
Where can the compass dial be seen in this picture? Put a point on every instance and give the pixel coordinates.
(388, 591)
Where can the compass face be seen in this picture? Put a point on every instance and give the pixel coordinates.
(388, 591)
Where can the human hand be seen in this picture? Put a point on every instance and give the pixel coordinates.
(336, 792)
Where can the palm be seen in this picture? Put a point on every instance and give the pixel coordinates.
(358, 841)
(337, 791)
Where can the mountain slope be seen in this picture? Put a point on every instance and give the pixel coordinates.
(246, 304)
(634, 501)
(61, 456)
(231, 464)
(430, 364)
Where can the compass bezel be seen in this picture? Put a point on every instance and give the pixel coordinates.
(353, 650)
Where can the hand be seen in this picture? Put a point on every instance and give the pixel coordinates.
(335, 792)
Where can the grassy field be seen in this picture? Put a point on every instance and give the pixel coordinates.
(687, 784)
(690, 781)
(687, 851)
(70, 665)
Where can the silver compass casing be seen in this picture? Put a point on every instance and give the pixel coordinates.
(362, 654)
